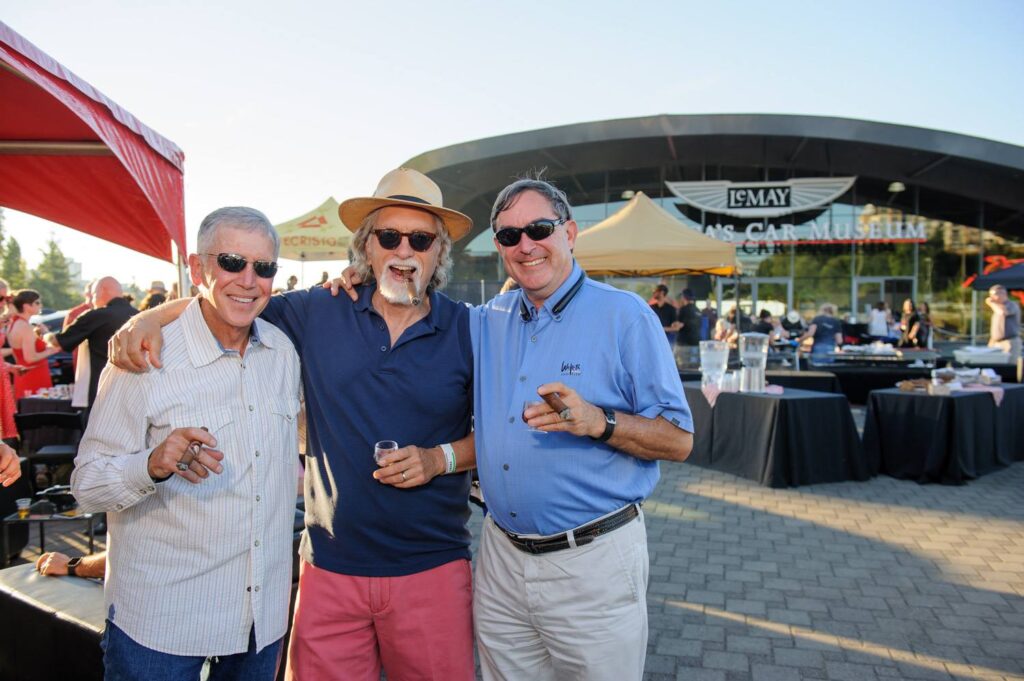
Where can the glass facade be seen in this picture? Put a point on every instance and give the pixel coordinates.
(879, 246)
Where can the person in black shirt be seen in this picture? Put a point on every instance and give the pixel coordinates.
(666, 312)
(689, 319)
(764, 323)
(97, 325)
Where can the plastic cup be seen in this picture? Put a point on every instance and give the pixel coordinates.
(23, 507)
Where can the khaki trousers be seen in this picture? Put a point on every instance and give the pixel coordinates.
(573, 614)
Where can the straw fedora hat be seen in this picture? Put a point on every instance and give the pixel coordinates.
(405, 187)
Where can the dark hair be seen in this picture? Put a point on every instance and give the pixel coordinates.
(25, 296)
(764, 313)
(880, 305)
(555, 196)
(152, 300)
(688, 294)
(661, 287)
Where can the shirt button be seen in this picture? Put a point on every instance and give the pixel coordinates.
(118, 507)
(511, 419)
(256, 589)
(383, 348)
(522, 378)
(248, 588)
(252, 408)
(257, 497)
(513, 514)
(533, 339)
(505, 466)
(257, 453)
(151, 488)
(256, 543)
(243, 365)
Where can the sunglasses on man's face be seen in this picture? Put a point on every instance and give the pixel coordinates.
(390, 239)
(538, 230)
(234, 263)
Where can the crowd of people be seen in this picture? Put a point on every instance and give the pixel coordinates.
(192, 450)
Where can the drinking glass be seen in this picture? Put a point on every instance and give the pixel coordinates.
(383, 447)
(754, 355)
(714, 358)
(532, 403)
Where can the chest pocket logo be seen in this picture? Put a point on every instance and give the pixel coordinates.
(571, 369)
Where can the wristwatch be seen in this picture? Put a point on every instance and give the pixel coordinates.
(609, 425)
(73, 565)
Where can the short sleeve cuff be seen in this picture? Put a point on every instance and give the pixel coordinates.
(680, 419)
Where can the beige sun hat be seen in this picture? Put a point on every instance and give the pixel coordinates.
(405, 187)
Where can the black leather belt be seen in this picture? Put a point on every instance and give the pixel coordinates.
(581, 536)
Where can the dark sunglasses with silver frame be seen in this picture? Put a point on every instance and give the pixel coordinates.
(234, 263)
(390, 239)
(538, 230)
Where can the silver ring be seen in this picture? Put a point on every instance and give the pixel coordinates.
(182, 466)
(566, 414)
(403, 476)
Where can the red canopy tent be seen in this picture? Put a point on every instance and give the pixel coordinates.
(71, 155)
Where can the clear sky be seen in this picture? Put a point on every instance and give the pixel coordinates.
(279, 105)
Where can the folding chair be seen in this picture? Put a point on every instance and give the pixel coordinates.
(65, 426)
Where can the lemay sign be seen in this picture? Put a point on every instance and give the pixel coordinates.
(776, 199)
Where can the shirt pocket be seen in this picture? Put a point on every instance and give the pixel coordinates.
(282, 430)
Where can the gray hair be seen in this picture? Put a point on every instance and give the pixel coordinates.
(361, 264)
(555, 196)
(237, 217)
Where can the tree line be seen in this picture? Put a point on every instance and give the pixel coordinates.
(52, 278)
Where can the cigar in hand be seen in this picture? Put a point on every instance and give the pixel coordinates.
(556, 403)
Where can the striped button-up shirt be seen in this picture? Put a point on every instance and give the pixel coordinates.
(192, 568)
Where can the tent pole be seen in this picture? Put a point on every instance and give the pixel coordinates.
(184, 283)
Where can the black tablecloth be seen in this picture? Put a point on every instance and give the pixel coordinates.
(796, 438)
(857, 382)
(948, 439)
(819, 381)
(1010, 425)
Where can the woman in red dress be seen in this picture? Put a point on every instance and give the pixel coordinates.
(29, 349)
(7, 371)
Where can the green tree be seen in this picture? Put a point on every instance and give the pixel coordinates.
(13, 269)
(53, 280)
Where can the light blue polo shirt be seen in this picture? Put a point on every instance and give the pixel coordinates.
(605, 343)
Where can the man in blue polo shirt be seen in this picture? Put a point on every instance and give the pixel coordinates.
(385, 577)
(561, 577)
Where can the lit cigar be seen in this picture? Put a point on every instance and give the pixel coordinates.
(413, 293)
(556, 403)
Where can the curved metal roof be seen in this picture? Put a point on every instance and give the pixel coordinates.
(951, 176)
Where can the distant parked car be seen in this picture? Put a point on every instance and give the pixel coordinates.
(62, 367)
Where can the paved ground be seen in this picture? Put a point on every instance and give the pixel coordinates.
(879, 580)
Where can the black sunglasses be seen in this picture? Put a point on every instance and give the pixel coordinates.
(392, 238)
(538, 230)
(234, 263)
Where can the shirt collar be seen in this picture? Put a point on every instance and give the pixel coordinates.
(203, 347)
(437, 318)
(558, 301)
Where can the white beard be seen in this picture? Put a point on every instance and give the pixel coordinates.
(397, 293)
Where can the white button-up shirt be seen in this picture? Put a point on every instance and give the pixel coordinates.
(192, 568)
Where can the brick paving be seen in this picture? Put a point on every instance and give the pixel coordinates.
(859, 581)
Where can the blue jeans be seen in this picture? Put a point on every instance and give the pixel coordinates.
(126, 660)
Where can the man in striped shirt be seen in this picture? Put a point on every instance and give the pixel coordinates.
(195, 464)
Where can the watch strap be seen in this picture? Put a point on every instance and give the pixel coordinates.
(609, 425)
(73, 566)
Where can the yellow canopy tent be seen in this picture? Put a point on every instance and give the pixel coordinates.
(643, 239)
(317, 235)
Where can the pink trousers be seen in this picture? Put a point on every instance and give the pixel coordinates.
(417, 626)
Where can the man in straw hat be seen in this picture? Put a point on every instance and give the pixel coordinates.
(385, 575)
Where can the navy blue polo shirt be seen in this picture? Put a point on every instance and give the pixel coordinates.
(359, 389)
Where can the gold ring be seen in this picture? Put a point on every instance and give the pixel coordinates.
(403, 476)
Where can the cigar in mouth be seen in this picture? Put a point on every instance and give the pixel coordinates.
(413, 293)
(556, 403)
